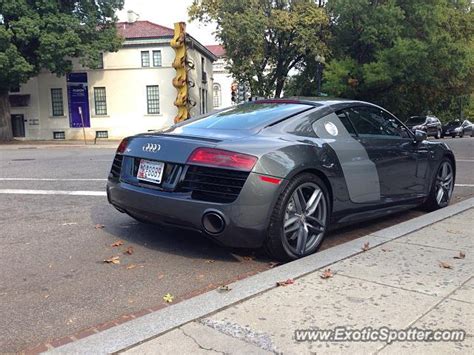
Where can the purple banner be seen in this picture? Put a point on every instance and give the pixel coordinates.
(78, 99)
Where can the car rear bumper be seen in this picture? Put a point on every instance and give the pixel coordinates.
(246, 219)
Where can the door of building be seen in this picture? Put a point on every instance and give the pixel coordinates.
(18, 125)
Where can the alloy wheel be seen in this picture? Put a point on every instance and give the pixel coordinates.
(444, 183)
(305, 218)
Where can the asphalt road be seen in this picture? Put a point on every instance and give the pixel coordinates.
(53, 278)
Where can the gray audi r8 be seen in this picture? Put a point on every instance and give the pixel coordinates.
(279, 174)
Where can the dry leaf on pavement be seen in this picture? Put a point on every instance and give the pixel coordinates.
(210, 261)
(386, 250)
(129, 251)
(327, 274)
(168, 298)
(273, 264)
(461, 255)
(113, 260)
(224, 288)
(69, 224)
(445, 265)
(99, 226)
(117, 243)
(365, 247)
(248, 258)
(286, 282)
(131, 266)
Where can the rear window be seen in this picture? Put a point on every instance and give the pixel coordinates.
(453, 123)
(248, 116)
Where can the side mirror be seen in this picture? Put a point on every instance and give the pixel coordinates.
(420, 136)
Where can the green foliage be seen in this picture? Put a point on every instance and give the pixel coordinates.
(410, 56)
(47, 34)
(265, 39)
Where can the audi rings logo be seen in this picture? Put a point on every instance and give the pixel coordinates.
(151, 148)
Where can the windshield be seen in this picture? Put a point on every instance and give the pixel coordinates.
(247, 116)
(416, 120)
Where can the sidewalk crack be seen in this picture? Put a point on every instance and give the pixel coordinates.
(447, 297)
(199, 345)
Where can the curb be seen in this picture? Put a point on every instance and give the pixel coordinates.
(151, 325)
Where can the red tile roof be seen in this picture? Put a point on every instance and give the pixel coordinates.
(142, 29)
(217, 50)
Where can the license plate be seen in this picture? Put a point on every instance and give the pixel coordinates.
(151, 171)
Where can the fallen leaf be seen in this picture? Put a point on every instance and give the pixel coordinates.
(224, 288)
(200, 276)
(445, 265)
(46, 296)
(365, 247)
(460, 256)
(99, 226)
(112, 260)
(69, 224)
(452, 232)
(273, 264)
(210, 261)
(131, 266)
(286, 282)
(129, 251)
(168, 298)
(386, 250)
(248, 258)
(327, 274)
(117, 243)
(160, 276)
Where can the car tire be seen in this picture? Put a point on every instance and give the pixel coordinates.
(438, 134)
(292, 243)
(461, 134)
(440, 181)
(453, 136)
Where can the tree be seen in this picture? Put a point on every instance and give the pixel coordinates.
(48, 34)
(265, 39)
(410, 56)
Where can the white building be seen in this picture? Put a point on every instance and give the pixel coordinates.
(131, 93)
(222, 79)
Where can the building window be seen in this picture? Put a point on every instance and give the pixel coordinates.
(203, 97)
(153, 99)
(100, 100)
(59, 135)
(101, 61)
(217, 95)
(157, 58)
(145, 58)
(57, 102)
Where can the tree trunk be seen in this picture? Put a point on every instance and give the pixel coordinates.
(279, 86)
(5, 119)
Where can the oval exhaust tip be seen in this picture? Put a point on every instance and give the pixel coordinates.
(213, 223)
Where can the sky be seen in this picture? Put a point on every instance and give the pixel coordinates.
(166, 13)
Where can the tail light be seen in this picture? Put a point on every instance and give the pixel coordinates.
(122, 146)
(222, 158)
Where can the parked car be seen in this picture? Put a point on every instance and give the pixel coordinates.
(429, 124)
(458, 128)
(280, 173)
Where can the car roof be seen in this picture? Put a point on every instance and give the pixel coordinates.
(314, 101)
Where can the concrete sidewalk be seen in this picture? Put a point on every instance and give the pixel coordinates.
(44, 144)
(398, 284)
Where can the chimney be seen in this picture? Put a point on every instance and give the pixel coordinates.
(132, 16)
